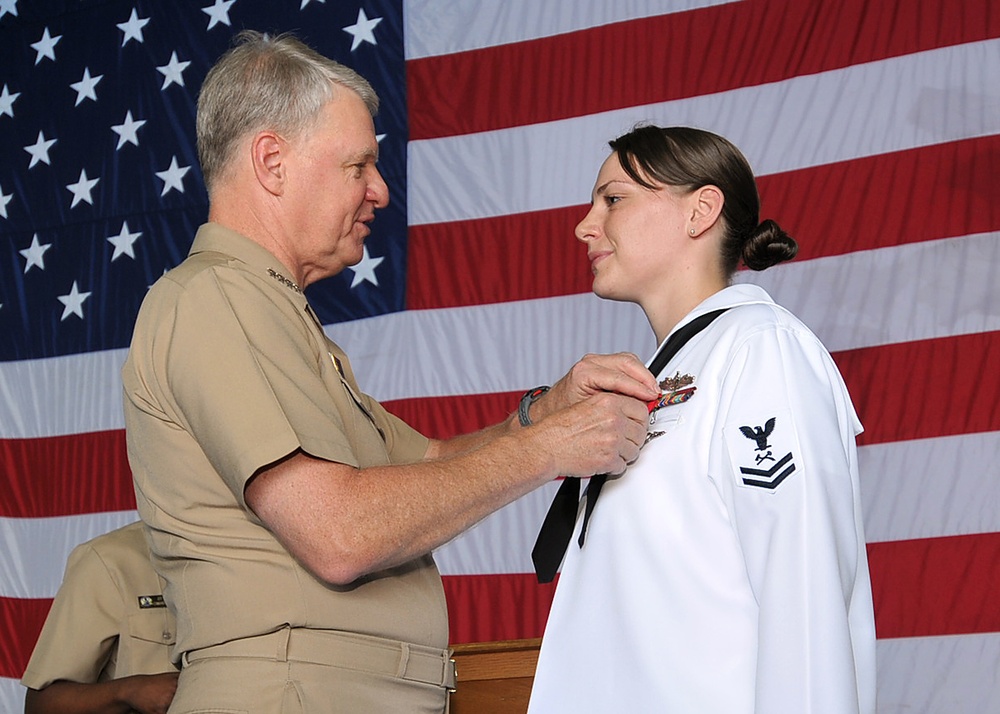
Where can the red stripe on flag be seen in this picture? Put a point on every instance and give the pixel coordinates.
(923, 389)
(675, 56)
(20, 620)
(936, 586)
(480, 606)
(875, 202)
(66, 475)
(888, 200)
(924, 587)
(898, 389)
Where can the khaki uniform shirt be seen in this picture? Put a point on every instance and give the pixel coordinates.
(230, 371)
(108, 619)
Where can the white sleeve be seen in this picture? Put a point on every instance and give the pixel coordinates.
(783, 464)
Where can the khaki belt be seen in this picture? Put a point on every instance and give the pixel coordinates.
(417, 663)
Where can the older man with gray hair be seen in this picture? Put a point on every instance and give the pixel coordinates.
(290, 514)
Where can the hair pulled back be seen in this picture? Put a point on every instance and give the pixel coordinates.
(689, 158)
(266, 82)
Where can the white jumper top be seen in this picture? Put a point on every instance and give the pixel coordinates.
(725, 572)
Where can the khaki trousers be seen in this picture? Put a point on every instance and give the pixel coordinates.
(298, 671)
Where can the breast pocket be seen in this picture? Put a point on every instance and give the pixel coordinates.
(151, 634)
(153, 625)
(662, 422)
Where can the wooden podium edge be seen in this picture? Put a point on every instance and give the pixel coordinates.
(478, 661)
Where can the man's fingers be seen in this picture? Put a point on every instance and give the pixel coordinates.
(621, 373)
(627, 372)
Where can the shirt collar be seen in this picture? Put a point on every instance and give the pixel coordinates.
(732, 296)
(216, 238)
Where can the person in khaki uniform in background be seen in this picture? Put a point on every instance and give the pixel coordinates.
(105, 644)
(291, 516)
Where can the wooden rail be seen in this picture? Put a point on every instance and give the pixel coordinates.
(494, 677)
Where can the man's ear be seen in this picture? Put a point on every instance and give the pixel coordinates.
(706, 207)
(266, 154)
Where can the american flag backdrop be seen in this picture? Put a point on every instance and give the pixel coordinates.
(874, 128)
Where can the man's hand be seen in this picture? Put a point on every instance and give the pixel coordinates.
(600, 434)
(622, 373)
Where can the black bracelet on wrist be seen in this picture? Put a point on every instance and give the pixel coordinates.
(529, 398)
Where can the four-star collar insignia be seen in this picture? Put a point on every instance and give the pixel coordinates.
(290, 284)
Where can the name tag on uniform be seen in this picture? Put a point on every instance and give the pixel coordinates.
(150, 601)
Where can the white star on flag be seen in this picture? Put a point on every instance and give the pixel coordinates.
(82, 188)
(85, 87)
(4, 200)
(172, 71)
(127, 130)
(45, 47)
(7, 101)
(218, 13)
(40, 150)
(8, 6)
(133, 28)
(362, 30)
(173, 177)
(365, 270)
(73, 302)
(123, 242)
(34, 254)
(306, 2)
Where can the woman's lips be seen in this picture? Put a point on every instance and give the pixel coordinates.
(597, 257)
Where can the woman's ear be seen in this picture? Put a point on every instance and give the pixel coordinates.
(266, 156)
(706, 207)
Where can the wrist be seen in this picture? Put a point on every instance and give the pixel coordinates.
(524, 406)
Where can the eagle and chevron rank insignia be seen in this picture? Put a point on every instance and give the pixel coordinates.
(764, 452)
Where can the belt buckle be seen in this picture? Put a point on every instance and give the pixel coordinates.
(452, 681)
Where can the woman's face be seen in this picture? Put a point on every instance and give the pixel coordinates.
(634, 236)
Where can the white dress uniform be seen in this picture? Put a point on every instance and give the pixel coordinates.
(726, 571)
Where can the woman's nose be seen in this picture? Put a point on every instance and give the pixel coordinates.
(586, 229)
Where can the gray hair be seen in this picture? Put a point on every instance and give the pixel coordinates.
(265, 82)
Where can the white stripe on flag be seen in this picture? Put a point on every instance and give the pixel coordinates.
(34, 550)
(782, 126)
(439, 27)
(11, 695)
(904, 496)
(912, 292)
(36, 402)
(939, 675)
(916, 489)
(927, 488)
(916, 291)
(441, 352)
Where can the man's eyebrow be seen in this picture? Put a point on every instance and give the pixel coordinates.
(363, 156)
